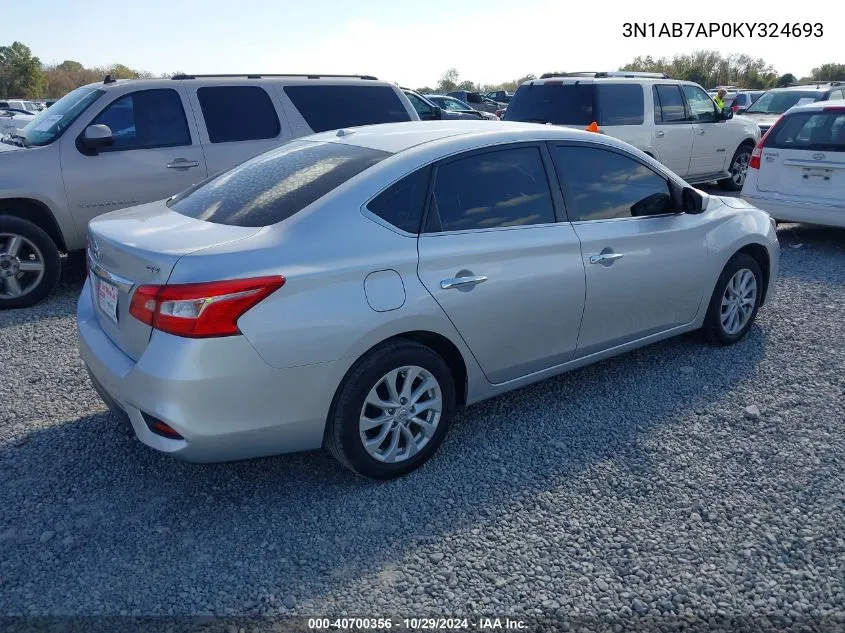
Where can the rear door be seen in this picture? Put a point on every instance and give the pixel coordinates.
(713, 141)
(805, 156)
(236, 122)
(508, 276)
(672, 128)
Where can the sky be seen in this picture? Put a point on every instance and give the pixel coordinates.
(412, 43)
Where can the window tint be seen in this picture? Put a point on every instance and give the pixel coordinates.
(422, 108)
(556, 103)
(146, 119)
(668, 104)
(822, 131)
(620, 104)
(603, 185)
(701, 106)
(238, 113)
(275, 185)
(495, 189)
(401, 204)
(333, 107)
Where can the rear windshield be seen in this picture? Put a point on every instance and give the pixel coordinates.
(810, 131)
(274, 186)
(774, 102)
(333, 107)
(578, 104)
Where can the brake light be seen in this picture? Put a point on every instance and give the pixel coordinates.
(735, 108)
(201, 310)
(754, 163)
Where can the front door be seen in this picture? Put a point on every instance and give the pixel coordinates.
(155, 154)
(713, 141)
(644, 261)
(506, 274)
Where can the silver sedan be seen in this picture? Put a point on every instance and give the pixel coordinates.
(354, 289)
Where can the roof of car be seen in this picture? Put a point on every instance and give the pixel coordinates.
(398, 137)
(229, 80)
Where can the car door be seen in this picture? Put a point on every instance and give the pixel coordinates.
(508, 276)
(672, 129)
(714, 142)
(644, 261)
(155, 154)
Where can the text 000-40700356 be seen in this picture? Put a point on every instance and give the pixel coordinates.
(722, 29)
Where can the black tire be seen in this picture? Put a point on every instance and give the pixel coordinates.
(342, 436)
(713, 331)
(741, 157)
(52, 265)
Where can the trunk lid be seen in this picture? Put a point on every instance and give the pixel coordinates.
(137, 246)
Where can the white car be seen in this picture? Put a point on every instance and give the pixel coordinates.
(675, 122)
(13, 120)
(21, 104)
(797, 171)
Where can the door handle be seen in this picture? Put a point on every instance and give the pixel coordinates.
(660, 133)
(182, 163)
(700, 131)
(605, 258)
(462, 282)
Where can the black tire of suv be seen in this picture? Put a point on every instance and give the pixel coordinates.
(342, 437)
(712, 331)
(49, 253)
(728, 184)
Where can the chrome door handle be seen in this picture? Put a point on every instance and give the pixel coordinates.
(461, 282)
(182, 163)
(608, 258)
(660, 133)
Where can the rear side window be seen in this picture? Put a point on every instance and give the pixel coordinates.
(668, 104)
(556, 103)
(333, 107)
(402, 203)
(502, 188)
(238, 113)
(275, 185)
(810, 131)
(620, 104)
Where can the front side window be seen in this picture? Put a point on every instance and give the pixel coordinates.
(605, 185)
(620, 104)
(333, 107)
(422, 108)
(810, 131)
(701, 106)
(238, 113)
(402, 203)
(668, 104)
(275, 185)
(503, 188)
(146, 119)
(50, 124)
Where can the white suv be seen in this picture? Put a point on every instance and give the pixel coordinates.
(123, 143)
(797, 171)
(675, 122)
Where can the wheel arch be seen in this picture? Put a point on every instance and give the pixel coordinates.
(760, 254)
(36, 212)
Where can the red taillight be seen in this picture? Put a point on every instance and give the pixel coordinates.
(201, 310)
(834, 109)
(754, 163)
(735, 108)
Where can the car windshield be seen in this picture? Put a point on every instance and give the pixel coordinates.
(448, 103)
(49, 124)
(774, 102)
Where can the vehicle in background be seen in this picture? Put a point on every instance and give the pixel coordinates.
(741, 101)
(499, 96)
(476, 101)
(674, 121)
(768, 108)
(451, 104)
(797, 171)
(354, 291)
(429, 111)
(121, 143)
(20, 104)
(13, 120)
(501, 113)
(50, 102)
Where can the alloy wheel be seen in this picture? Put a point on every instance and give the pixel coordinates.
(740, 168)
(21, 266)
(738, 301)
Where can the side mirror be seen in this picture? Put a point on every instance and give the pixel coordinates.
(691, 201)
(437, 113)
(96, 137)
(727, 114)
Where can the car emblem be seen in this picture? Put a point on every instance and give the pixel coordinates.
(818, 156)
(153, 269)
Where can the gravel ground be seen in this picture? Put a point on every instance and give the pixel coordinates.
(674, 480)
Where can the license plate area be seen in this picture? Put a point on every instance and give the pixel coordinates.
(107, 298)
(816, 176)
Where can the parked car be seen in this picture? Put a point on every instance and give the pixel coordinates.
(499, 96)
(20, 104)
(797, 171)
(741, 101)
(429, 111)
(354, 289)
(13, 120)
(451, 104)
(476, 101)
(121, 143)
(768, 108)
(674, 121)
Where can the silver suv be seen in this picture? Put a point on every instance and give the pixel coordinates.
(117, 144)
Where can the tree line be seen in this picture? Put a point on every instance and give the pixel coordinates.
(23, 75)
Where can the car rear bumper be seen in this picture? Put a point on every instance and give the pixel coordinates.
(218, 394)
(785, 209)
